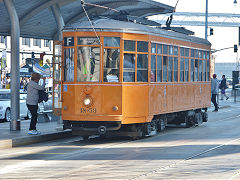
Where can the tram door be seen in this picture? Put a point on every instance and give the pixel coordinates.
(57, 100)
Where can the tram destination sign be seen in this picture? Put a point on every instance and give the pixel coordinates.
(68, 41)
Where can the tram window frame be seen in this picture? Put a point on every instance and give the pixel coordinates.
(66, 76)
(92, 77)
(114, 74)
(175, 69)
(170, 68)
(142, 46)
(130, 71)
(200, 66)
(111, 42)
(192, 70)
(153, 67)
(196, 70)
(186, 75)
(142, 68)
(159, 68)
(182, 69)
(129, 45)
(165, 69)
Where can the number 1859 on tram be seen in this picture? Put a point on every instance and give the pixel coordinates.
(128, 79)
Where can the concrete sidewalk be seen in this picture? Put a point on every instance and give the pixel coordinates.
(10, 139)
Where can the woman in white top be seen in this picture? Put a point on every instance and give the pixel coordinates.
(32, 100)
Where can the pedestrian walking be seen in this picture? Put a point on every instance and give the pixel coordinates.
(32, 100)
(223, 86)
(214, 91)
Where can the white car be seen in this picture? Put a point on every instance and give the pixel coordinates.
(5, 104)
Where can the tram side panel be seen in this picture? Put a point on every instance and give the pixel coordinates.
(135, 104)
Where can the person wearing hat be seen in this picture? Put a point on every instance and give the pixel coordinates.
(214, 91)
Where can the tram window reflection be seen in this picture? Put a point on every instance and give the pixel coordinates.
(142, 46)
(186, 68)
(153, 68)
(159, 68)
(129, 45)
(192, 69)
(170, 69)
(112, 41)
(175, 69)
(196, 69)
(111, 65)
(200, 70)
(88, 64)
(129, 67)
(142, 68)
(182, 69)
(165, 62)
(69, 64)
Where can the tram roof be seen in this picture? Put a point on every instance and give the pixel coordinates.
(110, 25)
(37, 20)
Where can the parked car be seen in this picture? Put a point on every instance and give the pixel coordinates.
(5, 103)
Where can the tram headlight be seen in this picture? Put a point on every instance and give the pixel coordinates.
(87, 101)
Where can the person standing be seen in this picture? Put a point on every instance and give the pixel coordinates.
(32, 100)
(214, 91)
(223, 86)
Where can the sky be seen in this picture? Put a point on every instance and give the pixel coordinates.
(223, 36)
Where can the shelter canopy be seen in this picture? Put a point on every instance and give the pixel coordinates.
(37, 20)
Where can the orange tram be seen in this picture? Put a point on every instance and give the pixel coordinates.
(124, 78)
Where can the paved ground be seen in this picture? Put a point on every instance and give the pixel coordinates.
(210, 151)
(10, 139)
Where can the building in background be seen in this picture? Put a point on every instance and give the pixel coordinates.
(224, 68)
(27, 46)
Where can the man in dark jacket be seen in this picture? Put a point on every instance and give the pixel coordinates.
(214, 91)
(223, 86)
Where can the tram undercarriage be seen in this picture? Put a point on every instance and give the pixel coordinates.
(138, 130)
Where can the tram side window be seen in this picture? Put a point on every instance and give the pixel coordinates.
(129, 67)
(186, 68)
(182, 69)
(159, 68)
(129, 45)
(192, 69)
(69, 64)
(208, 70)
(142, 46)
(175, 69)
(196, 69)
(142, 68)
(200, 70)
(170, 68)
(88, 64)
(153, 68)
(112, 41)
(111, 61)
(204, 70)
(165, 62)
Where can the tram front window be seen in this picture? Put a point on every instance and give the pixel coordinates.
(69, 64)
(111, 61)
(88, 64)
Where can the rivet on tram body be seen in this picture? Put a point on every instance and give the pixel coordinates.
(87, 90)
(65, 108)
(114, 108)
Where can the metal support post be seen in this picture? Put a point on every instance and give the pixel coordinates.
(60, 24)
(15, 85)
(206, 20)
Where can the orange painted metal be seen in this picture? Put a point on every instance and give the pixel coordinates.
(136, 102)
